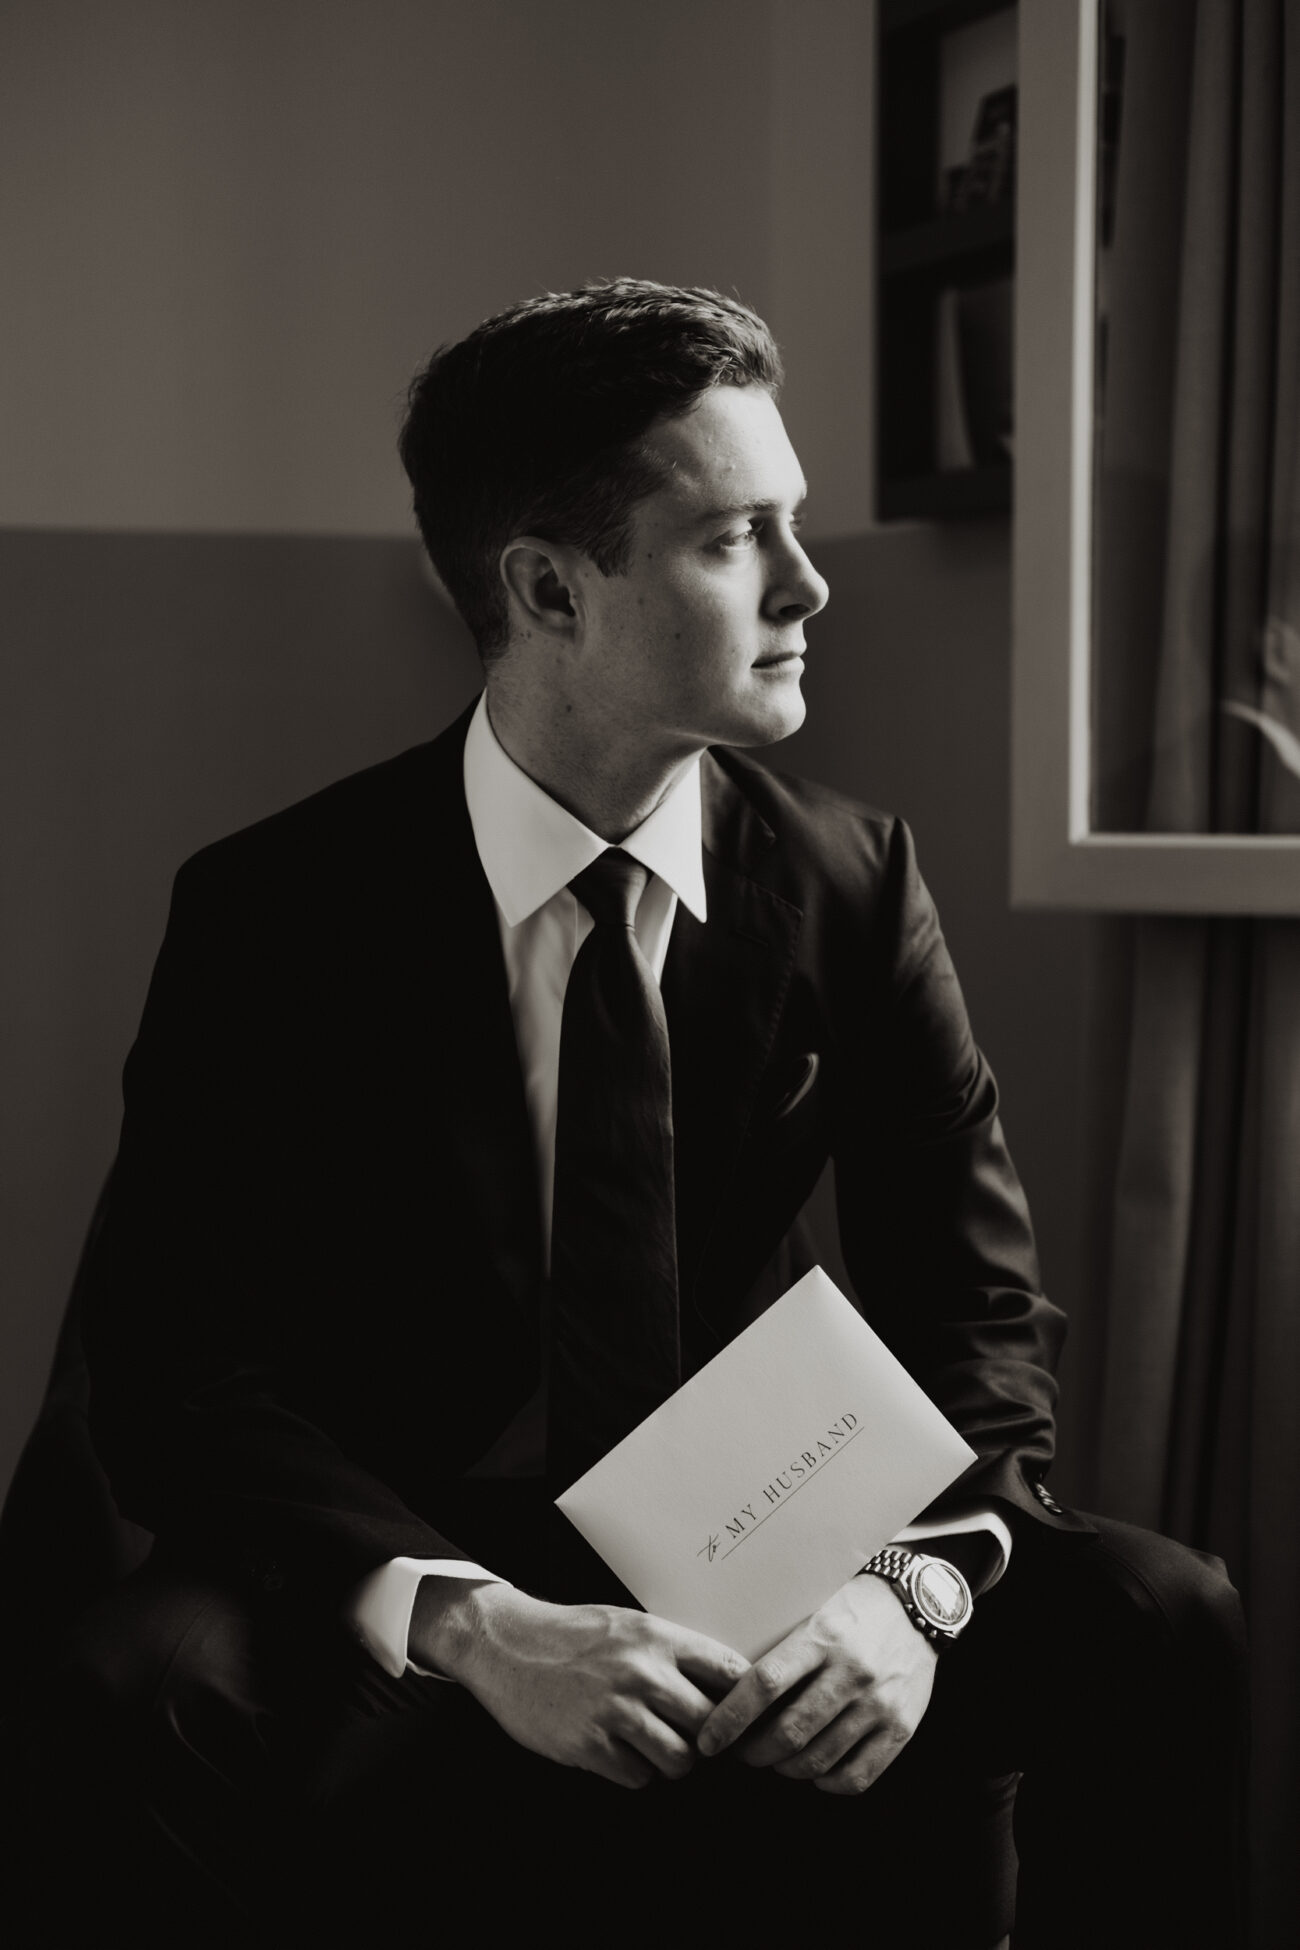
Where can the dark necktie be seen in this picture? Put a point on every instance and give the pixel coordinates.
(614, 1330)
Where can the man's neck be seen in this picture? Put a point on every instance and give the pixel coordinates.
(610, 784)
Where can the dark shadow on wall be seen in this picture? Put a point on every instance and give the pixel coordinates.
(158, 691)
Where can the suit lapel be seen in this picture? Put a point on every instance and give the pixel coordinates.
(724, 988)
(474, 1081)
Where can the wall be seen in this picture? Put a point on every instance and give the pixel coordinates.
(234, 230)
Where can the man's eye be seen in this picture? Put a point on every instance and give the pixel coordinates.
(739, 537)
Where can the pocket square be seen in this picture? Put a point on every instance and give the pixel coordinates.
(803, 1083)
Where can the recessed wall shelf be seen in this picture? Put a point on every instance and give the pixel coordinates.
(945, 264)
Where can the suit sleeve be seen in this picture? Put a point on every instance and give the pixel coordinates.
(934, 1224)
(195, 1296)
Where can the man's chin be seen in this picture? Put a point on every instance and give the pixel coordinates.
(774, 717)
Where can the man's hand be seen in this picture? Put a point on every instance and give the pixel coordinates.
(618, 1692)
(837, 1699)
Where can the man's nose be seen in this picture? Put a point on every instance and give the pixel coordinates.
(797, 590)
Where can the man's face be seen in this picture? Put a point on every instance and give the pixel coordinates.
(700, 639)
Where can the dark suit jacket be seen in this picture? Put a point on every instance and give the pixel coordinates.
(315, 1302)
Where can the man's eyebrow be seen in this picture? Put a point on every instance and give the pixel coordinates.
(733, 510)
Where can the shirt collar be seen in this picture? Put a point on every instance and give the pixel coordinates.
(530, 846)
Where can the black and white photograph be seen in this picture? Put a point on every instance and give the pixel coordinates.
(650, 972)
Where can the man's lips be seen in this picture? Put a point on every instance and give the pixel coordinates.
(780, 657)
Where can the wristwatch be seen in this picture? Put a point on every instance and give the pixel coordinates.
(933, 1593)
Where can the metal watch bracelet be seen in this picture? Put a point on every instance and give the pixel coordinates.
(898, 1566)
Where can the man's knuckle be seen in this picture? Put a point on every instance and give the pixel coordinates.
(791, 1736)
(768, 1678)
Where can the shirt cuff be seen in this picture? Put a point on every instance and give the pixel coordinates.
(378, 1611)
(962, 1523)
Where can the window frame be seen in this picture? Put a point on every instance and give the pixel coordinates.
(1057, 859)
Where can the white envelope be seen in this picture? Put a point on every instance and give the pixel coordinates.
(771, 1476)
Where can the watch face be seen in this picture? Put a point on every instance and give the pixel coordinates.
(941, 1594)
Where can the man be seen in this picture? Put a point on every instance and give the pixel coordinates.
(404, 1229)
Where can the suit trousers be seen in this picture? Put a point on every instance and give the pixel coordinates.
(207, 1769)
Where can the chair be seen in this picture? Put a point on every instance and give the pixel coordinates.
(63, 1541)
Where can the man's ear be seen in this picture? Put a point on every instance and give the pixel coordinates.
(540, 586)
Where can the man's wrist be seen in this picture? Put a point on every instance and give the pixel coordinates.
(446, 1620)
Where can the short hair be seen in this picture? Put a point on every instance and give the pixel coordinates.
(534, 424)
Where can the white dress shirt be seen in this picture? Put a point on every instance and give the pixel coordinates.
(530, 849)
